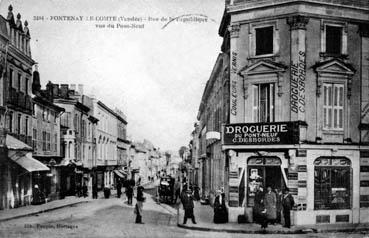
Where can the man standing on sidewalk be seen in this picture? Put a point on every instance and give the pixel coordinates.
(139, 205)
(287, 203)
(188, 207)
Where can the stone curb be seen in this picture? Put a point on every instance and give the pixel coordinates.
(298, 231)
(41, 211)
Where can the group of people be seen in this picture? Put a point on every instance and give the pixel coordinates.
(269, 206)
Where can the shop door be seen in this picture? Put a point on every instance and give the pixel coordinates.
(263, 172)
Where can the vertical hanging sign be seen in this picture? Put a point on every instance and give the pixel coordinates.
(234, 33)
(298, 66)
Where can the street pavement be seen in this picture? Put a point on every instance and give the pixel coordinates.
(115, 218)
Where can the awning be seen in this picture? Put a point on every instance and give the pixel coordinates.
(28, 162)
(118, 173)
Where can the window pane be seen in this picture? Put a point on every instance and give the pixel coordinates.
(329, 117)
(325, 117)
(333, 39)
(335, 118)
(340, 118)
(264, 40)
(341, 96)
(330, 96)
(335, 96)
(325, 94)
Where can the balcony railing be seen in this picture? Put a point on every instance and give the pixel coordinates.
(19, 100)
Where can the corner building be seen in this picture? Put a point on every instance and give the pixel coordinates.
(299, 106)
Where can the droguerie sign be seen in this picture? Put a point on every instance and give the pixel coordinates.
(261, 133)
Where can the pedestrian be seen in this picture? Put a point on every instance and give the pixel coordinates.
(37, 196)
(85, 190)
(287, 204)
(94, 191)
(279, 196)
(129, 193)
(188, 206)
(258, 204)
(139, 205)
(263, 217)
(220, 209)
(119, 188)
(177, 190)
(270, 203)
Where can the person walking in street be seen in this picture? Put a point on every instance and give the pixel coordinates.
(129, 193)
(85, 190)
(270, 202)
(119, 188)
(139, 205)
(188, 206)
(287, 204)
(94, 191)
(177, 191)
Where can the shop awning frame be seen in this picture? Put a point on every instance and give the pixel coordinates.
(27, 162)
(117, 172)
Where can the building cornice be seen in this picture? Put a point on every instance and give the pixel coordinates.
(258, 4)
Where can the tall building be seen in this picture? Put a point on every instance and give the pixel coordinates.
(211, 115)
(106, 144)
(46, 138)
(298, 106)
(17, 166)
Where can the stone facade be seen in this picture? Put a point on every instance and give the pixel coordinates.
(302, 63)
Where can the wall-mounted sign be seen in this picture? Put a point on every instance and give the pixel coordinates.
(261, 133)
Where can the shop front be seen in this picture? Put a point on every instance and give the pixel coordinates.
(324, 179)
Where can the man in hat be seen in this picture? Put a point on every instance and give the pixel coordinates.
(188, 207)
(287, 204)
(139, 205)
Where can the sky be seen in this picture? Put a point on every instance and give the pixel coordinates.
(155, 75)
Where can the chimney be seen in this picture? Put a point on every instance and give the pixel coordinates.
(56, 90)
(80, 89)
(64, 90)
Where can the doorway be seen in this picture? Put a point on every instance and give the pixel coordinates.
(263, 172)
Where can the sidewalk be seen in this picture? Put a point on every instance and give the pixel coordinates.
(35, 209)
(204, 218)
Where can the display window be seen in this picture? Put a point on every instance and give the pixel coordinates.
(332, 183)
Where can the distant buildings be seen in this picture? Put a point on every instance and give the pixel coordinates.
(57, 137)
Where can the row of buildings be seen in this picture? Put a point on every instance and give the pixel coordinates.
(287, 106)
(57, 138)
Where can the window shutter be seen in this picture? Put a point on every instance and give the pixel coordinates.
(255, 108)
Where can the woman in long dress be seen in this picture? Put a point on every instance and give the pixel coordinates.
(270, 202)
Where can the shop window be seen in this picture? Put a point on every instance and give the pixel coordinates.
(333, 106)
(263, 104)
(332, 183)
(264, 40)
(333, 39)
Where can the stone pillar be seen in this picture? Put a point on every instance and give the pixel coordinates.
(235, 83)
(298, 66)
